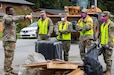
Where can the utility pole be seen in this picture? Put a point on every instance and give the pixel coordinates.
(95, 2)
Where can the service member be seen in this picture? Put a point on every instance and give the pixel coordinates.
(106, 39)
(45, 27)
(63, 31)
(9, 38)
(85, 27)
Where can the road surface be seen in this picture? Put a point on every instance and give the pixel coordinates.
(24, 47)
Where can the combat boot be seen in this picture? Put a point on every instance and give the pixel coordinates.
(108, 72)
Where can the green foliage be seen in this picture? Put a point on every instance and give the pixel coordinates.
(59, 4)
(18, 36)
(24, 23)
(55, 4)
(106, 5)
(0, 35)
(36, 2)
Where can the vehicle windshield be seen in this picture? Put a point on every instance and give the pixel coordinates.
(33, 24)
(82, 3)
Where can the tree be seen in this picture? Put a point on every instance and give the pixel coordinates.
(55, 4)
(106, 5)
(59, 4)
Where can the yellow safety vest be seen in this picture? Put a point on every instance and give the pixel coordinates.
(81, 24)
(43, 26)
(105, 33)
(63, 36)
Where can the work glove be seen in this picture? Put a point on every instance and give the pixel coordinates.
(98, 43)
(79, 28)
(83, 30)
(56, 33)
(48, 35)
(106, 46)
(60, 31)
(65, 32)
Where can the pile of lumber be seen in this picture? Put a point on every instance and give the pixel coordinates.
(57, 67)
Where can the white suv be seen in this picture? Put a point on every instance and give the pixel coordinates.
(30, 31)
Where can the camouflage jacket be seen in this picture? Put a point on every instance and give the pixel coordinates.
(50, 26)
(111, 34)
(9, 27)
(87, 27)
(69, 28)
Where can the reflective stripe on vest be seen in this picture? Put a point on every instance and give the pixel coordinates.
(63, 36)
(43, 26)
(105, 33)
(88, 32)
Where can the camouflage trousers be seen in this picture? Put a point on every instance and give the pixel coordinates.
(107, 53)
(84, 46)
(66, 48)
(9, 47)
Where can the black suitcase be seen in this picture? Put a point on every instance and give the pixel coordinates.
(50, 49)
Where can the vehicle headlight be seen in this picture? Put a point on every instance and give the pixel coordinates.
(31, 30)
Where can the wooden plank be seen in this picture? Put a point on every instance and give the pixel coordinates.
(60, 63)
(36, 65)
(76, 72)
(65, 62)
(61, 66)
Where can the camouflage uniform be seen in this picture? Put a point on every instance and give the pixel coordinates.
(85, 41)
(65, 43)
(50, 28)
(108, 49)
(9, 40)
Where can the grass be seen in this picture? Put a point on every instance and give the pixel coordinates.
(0, 35)
(18, 36)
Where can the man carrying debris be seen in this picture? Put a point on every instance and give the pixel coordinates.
(9, 37)
(63, 31)
(85, 27)
(106, 39)
(45, 27)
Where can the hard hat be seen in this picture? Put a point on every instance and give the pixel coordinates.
(106, 13)
(84, 10)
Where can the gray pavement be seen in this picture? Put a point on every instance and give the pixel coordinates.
(24, 47)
